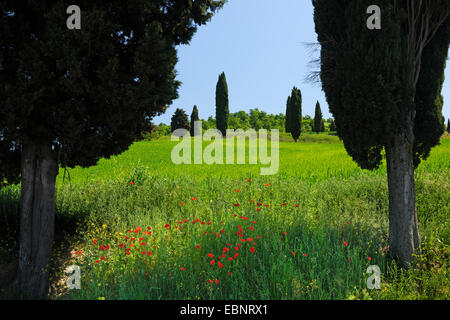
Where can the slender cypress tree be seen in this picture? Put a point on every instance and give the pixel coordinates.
(179, 120)
(448, 126)
(194, 117)
(322, 125)
(317, 118)
(71, 97)
(295, 113)
(222, 109)
(332, 126)
(384, 91)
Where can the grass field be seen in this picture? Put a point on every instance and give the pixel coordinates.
(226, 232)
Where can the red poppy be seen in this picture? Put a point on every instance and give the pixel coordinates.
(236, 204)
(209, 281)
(304, 254)
(149, 253)
(182, 268)
(345, 243)
(267, 184)
(259, 203)
(212, 262)
(266, 205)
(294, 253)
(285, 233)
(230, 258)
(283, 204)
(97, 261)
(217, 281)
(181, 203)
(194, 198)
(369, 258)
(237, 190)
(258, 209)
(95, 241)
(236, 255)
(251, 228)
(131, 182)
(167, 226)
(297, 205)
(220, 265)
(197, 247)
(121, 245)
(101, 248)
(252, 250)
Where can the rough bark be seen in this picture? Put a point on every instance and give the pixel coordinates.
(404, 237)
(37, 213)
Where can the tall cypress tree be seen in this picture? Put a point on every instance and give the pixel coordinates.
(194, 117)
(71, 97)
(295, 113)
(448, 126)
(384, 91)
(222, 109)
(317, 118)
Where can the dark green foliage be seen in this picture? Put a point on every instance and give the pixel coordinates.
(294, 121)
(366, 78)
(222, 109)
(332, 126)
(91, 92)
(322, 125)
(286, 122)
(194, 117)
(179, 120)
(429, 123)
(448, 126)
(318, 121)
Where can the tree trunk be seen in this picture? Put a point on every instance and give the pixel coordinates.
(37, 215)
(404, 236)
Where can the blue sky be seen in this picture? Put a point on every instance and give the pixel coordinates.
(260, 45)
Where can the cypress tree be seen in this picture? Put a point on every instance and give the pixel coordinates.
(384, 91)
(295, 113)
(448, 126)
(286, 120)
(179, 120)
(317, 118)
(194, 117)
(222, 109)
(71, 97)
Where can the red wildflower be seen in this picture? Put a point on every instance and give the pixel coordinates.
(149, 253)
(212, 262)
(369, 258)
(236, 204)
(167, 226)
(97, 261)
(220, 265)
(345, 243)
(304, 254)
(267, 184)
(258, 209)
(251, 228)
(197, 247)
(283, 204)
(297, 205)
(131, 182)
(237, 190)
(182, 268)
(95, 241)
(259, 204)
(252, 250)
(217, 281)
(194, 198)
(181, 203)
(294, 253)
(121, 245)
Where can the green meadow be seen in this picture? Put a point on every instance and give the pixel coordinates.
(141, 227)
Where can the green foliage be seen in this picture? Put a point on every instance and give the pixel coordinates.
(332, 126)
(179, 120)
(194, 117)
(329, 188)
(318, 121)
(89, 92)
(222, 109)
(294, 120)
(366, 77)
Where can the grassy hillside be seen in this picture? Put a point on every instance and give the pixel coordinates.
(308, 232)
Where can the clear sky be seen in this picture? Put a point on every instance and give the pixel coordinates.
(260, 45)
